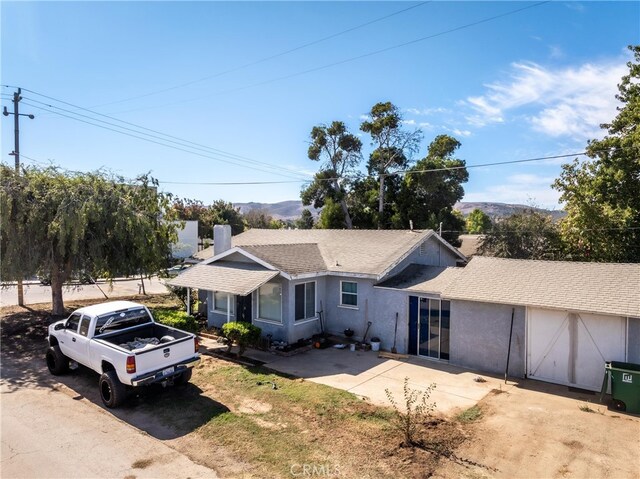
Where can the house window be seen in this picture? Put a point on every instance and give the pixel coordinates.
(270, 302)
(220, 302)
(305, 301)
(348, 294)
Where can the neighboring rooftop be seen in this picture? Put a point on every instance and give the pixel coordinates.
(470, 244)
(607, 288)
(422, 279)
(351, 251)
(204, 254)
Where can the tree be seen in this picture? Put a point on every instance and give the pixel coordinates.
(61, 224)
(219, 213)
(526, 235)
(306, 221)
(602, 194)
(340, 151)
(393, 146)
(478, 222)
(431, 188)
(258, 218)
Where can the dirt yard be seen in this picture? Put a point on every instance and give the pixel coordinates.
(233, 420)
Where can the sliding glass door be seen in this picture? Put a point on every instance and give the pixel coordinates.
(432, 324)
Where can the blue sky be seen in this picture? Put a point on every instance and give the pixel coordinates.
(533, 83)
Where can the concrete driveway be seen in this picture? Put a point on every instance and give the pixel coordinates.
(365, 374)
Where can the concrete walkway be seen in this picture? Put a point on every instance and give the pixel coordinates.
(366, 375)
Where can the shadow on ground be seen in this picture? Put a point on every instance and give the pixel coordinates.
(164, 413)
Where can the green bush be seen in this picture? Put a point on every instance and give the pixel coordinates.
(240, 333)
(176, 319)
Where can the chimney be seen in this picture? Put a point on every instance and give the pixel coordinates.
(221, 239)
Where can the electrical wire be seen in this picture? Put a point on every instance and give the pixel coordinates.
(265, 59)
(180, 143)
(347, 60)
(140, 127)
(164, 144)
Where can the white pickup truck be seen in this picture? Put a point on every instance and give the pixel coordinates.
(121, 342)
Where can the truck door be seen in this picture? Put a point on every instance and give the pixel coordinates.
(76, 339)
(67, 336)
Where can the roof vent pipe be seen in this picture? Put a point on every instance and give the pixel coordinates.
(221, 239)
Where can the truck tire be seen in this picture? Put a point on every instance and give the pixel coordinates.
(112, 391)
(183, 378)
(57, 362)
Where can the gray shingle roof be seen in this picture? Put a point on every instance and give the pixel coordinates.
(290, 258)
(422, 279)
(349, 251)
(606, 288)
(225, 276)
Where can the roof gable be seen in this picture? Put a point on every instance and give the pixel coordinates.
(368, 252)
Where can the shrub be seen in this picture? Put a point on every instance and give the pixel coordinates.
(240, 333)
(413, 412)
(176, 319)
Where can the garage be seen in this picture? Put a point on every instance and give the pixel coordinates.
(556, 321)
(571, 348)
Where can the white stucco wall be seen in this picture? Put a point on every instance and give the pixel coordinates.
(187, 240)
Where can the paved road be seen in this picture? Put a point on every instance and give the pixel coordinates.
(35, 293)
(51, 431)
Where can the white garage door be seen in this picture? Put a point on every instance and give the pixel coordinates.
(571, 348)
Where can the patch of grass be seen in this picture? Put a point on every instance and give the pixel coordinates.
(142, 463)
(585, 407)
(470, 415)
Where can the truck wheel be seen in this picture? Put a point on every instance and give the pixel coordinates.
(57, 362)
(183, 378)
(112, 391)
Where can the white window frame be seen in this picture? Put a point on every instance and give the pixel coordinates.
(216, 309)
(266, 320)
(349, 306)
(315, 301)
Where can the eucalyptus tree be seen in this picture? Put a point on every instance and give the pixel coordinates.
(59, 224)
(340, 152)
(393, 146)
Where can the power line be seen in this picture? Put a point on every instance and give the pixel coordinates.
(214, 150)
(162, 144)
(265, 59)
(180, 143)
(351, 59)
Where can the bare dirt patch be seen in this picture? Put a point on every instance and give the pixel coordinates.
(538, 430)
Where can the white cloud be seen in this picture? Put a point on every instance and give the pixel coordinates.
(426, 111)
(520, 189)
(458, 132)
(365, 117)
(570, 101)
(409, 122)
(425, 125)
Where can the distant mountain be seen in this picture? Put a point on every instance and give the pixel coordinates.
(284, 210)
(500, 210)
(290, 210)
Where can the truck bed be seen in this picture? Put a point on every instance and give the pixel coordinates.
(138, 334)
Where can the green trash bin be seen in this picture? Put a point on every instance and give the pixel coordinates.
(625, 385)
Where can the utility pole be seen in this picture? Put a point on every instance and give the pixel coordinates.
(16, 153)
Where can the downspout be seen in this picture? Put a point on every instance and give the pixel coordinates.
(228, 308)
(189, 301)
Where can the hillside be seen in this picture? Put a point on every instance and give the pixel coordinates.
(290, 210)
